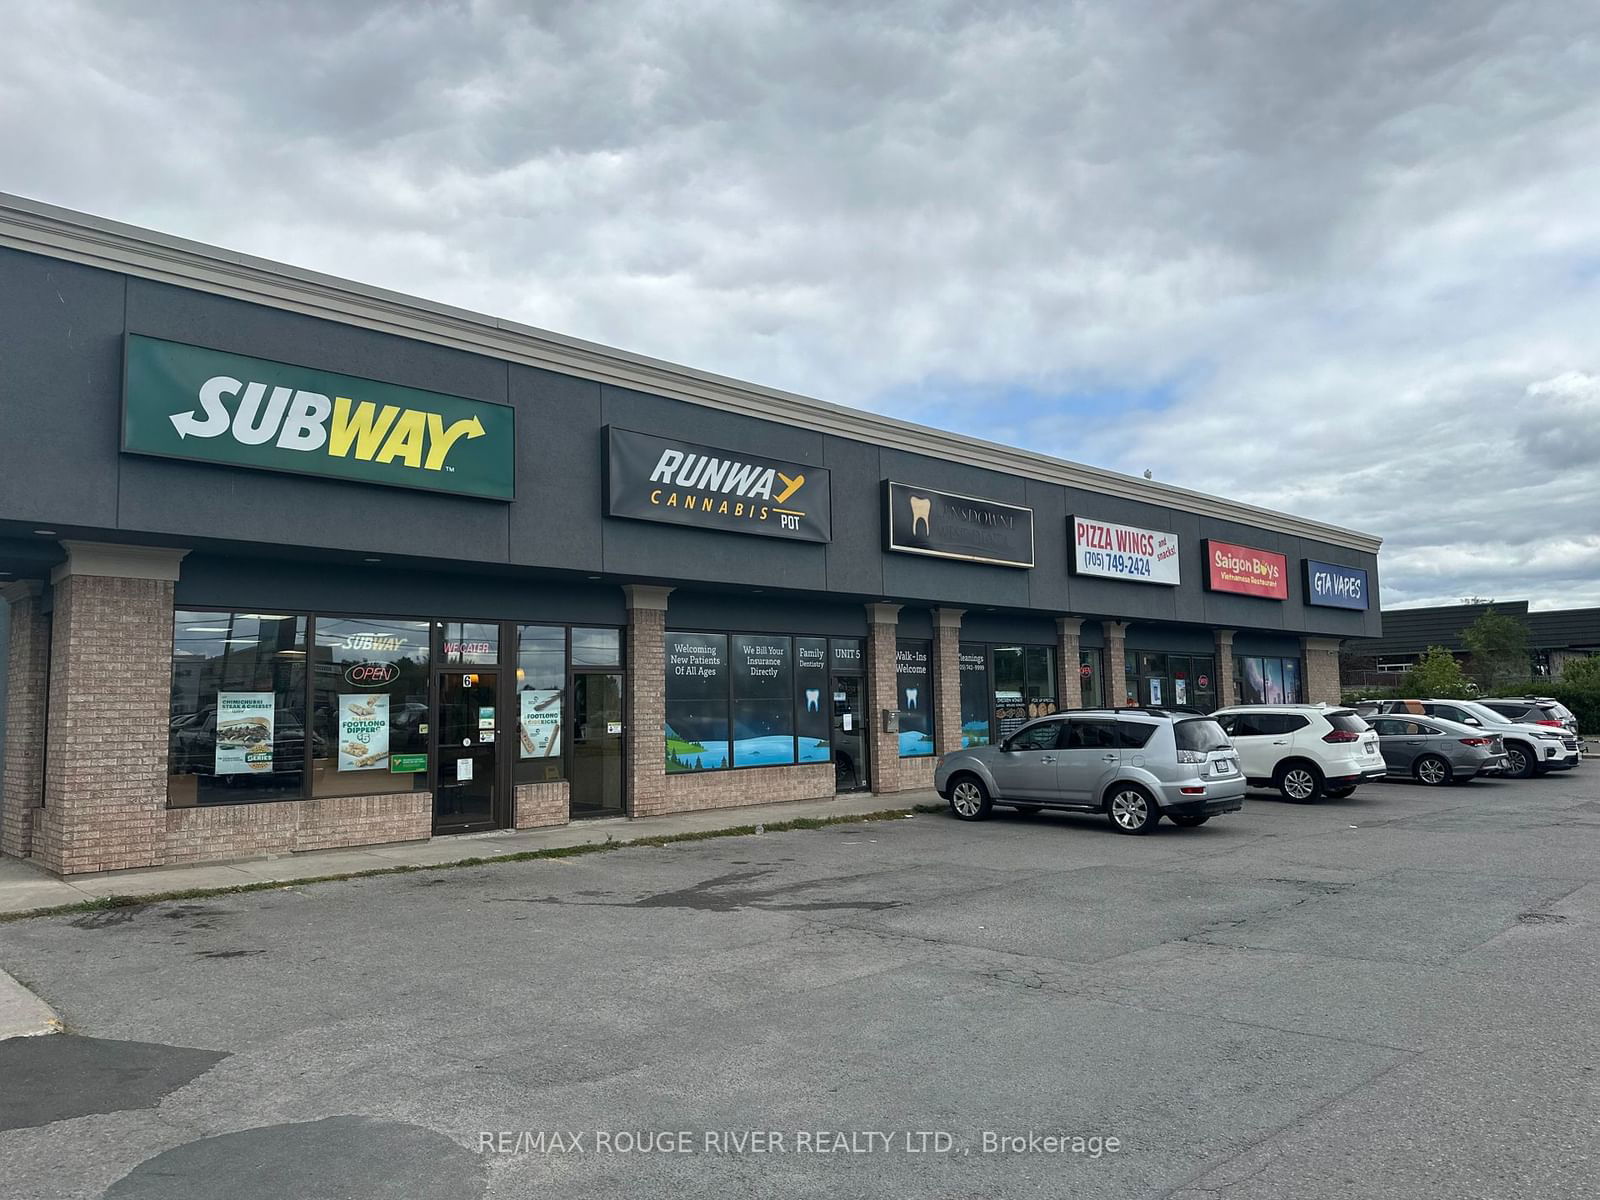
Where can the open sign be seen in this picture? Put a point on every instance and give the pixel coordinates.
(371, 674)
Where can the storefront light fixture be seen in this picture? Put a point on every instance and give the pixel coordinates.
(371, 560)
(45, 532)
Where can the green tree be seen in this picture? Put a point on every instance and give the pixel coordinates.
(1499, 648)
(1437, 673)
(1582, 672)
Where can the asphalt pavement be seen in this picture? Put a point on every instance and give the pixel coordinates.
(1390, 995)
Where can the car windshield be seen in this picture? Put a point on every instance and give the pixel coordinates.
(1203, 734)
(1347, 722)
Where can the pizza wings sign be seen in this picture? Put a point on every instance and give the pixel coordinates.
(188, 402)
(1125, 552)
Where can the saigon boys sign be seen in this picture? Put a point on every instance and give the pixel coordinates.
(1123, 551)
(187, 402)
(1330, 585)
(1246, 571)
(920, 520)
(681, 483)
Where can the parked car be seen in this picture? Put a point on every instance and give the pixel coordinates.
(1536, 710)
(1530, 749)
(1134, 765)
(1303, 750)
(1436, 752)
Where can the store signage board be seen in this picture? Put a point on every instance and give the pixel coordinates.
(1329, 585)
(651, 478)
(1246, 571)
(188, 402)
(1112, 551)
(919, 520)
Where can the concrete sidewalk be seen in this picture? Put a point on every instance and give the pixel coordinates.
(24, 886)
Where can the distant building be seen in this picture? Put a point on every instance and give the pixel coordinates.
(1554, 638)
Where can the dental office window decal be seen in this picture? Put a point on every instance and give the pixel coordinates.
(914, 683)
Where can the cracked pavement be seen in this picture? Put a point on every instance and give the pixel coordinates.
(1390, 995)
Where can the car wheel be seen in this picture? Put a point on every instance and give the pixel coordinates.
(1189, 820)
(1300, 782)
(1519, 764)
(969, 799)
(1432, 770)
(1131, 810)
(1341, 793)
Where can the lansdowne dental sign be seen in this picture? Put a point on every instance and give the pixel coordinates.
(1126, 552)
(651, 478)
(188, 402)
(1246, 571)
(1329, 585)
(919, 520)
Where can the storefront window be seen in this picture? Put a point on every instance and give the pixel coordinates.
(541, 684)
(763, 700)
(1024, 685)
(237, 731)
(1091, 678)
(1267, 680)
(467, 644)
(369, 706)
(975, 694)
(914, 679)
(596, 647)
(696, 701)
(811, 699)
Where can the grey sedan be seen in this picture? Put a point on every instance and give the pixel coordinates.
(1434, 752)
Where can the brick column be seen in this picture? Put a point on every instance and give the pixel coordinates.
(27, 677)
(1068, 645)
(647, 699)
(883, 627)
(1116, 638)
(1320, 669)
(947, 679)
(105, 774)
(1227, 694)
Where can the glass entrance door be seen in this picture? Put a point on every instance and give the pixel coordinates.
(598, 742)
(464, 796)
(849, 738)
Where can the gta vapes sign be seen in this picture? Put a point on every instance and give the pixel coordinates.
(187, 402)
(1329, 585)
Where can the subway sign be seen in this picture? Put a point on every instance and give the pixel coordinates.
(1329, 585)
(651, 478)
(184, 401)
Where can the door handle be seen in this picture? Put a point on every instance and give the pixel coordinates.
(1048, 758)
(1110, 758)
(1280, 743)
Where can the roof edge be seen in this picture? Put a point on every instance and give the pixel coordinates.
(51, 231)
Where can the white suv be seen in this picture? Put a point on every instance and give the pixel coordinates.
(1306, 751)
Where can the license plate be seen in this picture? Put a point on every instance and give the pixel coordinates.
(1371, 749)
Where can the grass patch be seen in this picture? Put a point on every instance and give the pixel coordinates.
(928, 808)
(102, 903)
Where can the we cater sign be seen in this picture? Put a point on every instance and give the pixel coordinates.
(188, 402)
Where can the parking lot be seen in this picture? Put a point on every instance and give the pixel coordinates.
(1388, 995)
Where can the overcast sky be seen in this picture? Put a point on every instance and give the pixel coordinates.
(1337, 259)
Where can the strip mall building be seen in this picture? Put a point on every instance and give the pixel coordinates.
(292, 563)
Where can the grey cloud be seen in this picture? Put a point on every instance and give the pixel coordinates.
(1354, 241)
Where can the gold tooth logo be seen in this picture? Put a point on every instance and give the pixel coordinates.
(921, 506)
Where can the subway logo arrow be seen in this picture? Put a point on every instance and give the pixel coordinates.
(190, 402)
(305, 421)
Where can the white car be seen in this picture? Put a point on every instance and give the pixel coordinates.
(1306, 751)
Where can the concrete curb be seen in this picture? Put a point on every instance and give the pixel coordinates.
(22, 1014)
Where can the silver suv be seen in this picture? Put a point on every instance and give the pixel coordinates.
(1136, 765)
(1530, 749)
